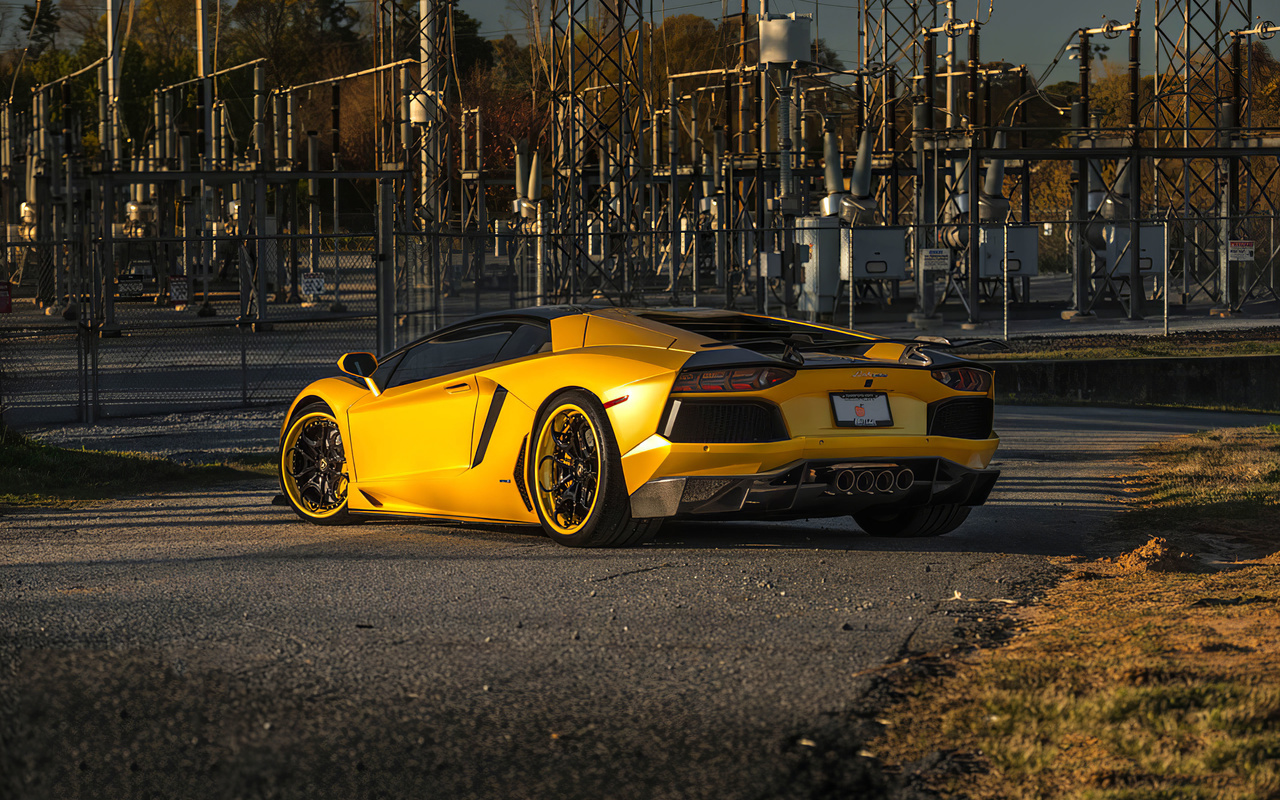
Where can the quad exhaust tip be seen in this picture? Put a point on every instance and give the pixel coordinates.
(866, 481)
(870, 481)
(884, 481)
(844, 480)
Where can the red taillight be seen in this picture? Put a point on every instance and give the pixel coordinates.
(742, 379)
(964, 379)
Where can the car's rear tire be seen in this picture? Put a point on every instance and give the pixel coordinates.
(575, 476)
(313, 467)
(912, 523)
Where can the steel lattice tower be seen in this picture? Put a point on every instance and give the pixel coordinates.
(891, 47)
(1193, 78)
(600, 110)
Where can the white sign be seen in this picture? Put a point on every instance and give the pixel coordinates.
(935, 258)
(1240, 250)
(312, 284)
(178, 289)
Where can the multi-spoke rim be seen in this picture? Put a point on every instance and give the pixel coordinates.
(315, 465)
(568, 468)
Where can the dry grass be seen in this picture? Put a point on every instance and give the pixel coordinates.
(1141, 676)
(1232, 473)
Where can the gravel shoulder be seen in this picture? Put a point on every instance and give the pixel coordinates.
(189, 437)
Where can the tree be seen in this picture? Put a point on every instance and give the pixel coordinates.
(301, 40)
(469, 49)
(43, 34)
(824, 55)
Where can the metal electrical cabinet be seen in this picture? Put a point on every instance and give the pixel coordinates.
(1151, 259)
(873, 254)
(1024, 250)
(827, 253)
(817, 264)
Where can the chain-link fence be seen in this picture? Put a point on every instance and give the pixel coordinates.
(134, 324)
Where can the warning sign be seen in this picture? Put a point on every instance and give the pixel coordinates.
(1240, 250)
(178, 289)
(935, 259)
(312, 284)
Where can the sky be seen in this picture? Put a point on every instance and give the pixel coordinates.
(1020, 31)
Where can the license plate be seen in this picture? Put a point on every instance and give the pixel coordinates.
(861, 410)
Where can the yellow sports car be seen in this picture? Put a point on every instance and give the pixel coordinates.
(599, 423)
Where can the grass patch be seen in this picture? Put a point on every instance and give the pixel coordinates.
(1265, 341)
(36, 474)
(1149, 675)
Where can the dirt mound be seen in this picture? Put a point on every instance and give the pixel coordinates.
(1157, 556)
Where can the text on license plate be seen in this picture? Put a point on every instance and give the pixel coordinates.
(861, 410)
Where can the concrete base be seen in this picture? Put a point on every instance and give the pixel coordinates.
(1224, 313)
(928, 323)
(974, 326)
(1078, 316)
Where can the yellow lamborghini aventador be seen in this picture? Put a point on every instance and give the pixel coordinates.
(599, 423)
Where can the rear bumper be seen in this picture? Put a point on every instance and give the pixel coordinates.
(816, 488)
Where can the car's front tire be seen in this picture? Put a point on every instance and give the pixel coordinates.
(575, 472)
(912, 523)
(313, 467)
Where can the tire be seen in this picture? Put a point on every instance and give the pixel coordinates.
(316, 491)
(913, 523)
(575, 477)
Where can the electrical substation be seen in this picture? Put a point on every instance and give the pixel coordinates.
(213, 261)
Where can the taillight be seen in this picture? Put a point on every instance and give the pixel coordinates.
(964, 379)
(737, 379)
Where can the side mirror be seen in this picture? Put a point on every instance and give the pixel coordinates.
(360, 365)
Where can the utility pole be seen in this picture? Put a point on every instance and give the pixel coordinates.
(204, 69)
(111, 148)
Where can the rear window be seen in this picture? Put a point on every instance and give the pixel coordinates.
(737, 327)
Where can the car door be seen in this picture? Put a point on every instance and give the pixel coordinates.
(407, 442)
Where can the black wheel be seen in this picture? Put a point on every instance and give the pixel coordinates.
(916, 522)
(313, 467)
(575, 472)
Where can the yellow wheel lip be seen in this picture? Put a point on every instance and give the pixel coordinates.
(290, 484)
(538, 494)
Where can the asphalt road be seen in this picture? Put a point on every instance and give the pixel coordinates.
(213, 645)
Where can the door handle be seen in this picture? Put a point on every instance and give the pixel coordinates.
(458, 388)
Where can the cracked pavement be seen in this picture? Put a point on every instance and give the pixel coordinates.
(211, 644)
